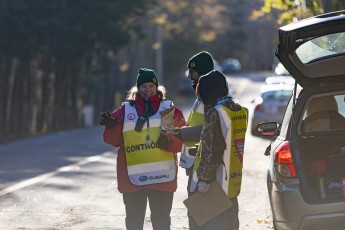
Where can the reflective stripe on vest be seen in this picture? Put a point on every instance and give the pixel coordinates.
(195, 118)
(146, 163)
(229, 175)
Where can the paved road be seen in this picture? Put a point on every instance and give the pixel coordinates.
(67, 180)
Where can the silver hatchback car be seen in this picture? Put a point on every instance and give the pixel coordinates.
(306, 173)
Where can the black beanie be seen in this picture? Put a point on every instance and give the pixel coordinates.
(146, 75)
(201, 63)
(212, 86)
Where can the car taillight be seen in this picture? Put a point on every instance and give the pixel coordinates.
(283, 160)
(258, 108)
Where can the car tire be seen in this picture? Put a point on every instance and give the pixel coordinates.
(274, 225)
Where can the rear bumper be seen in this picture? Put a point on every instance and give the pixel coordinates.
(290, 211)
(324, 221)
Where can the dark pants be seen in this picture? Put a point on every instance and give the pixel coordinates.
(228, 220)
(160, 206)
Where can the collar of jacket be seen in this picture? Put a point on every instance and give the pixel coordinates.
(140, 104)
(222, 100)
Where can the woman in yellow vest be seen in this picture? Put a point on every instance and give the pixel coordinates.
(146, 159)
(222, 145)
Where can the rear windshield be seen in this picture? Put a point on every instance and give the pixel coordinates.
(322, 47)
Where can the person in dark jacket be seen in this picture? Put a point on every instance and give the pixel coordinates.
(198, 65)
(146, 158)
(222, 145)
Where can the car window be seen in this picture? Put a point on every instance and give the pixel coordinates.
(341, 103)
(277, 95)
(321, 47)
(286, 119)
(324, 112)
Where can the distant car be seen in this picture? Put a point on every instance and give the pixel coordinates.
(270, 105)
(281, 70)
(231, 65)
(306, 166)
(285, 80)
(217, 66)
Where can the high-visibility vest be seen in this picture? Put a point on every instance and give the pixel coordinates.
(195, 118)
(229, 174)
(146, 163)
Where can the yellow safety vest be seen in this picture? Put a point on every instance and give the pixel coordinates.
(229, 174)
(146, 163)
(195, 118)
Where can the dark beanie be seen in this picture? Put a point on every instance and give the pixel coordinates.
(146, 75)
(201, 63)
(212, 86)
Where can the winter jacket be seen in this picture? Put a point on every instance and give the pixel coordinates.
(213, 144)
(114, 137)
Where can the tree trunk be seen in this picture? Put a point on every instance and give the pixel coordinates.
(10, 87)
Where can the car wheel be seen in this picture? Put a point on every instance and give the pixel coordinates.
(274, 225)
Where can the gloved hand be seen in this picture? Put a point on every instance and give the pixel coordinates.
(203, 187)
(163, 142)
(176, 132)
(107, 120)
(193, 150)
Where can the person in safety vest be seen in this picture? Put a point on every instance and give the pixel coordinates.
(146, 158)
(198, 65)
(222, 143)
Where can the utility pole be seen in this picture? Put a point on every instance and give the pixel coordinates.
(159, 53)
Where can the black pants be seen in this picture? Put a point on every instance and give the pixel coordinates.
(160, 206)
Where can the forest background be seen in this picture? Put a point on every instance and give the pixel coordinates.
(59, 57)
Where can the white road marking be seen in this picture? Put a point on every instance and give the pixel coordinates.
(39, 178)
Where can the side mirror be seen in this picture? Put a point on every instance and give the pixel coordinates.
(268, 129)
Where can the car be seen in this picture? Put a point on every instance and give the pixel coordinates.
(277, 79)
(217, 66)
(270, 105)
(281, 70)
(231, 65)
(306, 166)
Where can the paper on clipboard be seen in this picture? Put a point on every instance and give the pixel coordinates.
(167, 118)
(205, 206)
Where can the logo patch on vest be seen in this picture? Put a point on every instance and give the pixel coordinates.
(143, 178)
(239, 147)
(157, 177)
(131, 116)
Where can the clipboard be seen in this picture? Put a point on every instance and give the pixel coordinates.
(205, 206)
(167, 118)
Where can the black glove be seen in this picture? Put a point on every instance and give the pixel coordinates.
(177, 133)
(163, 142)
(107, 120)
(193, 150)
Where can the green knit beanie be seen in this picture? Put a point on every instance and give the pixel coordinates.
(146, 75)
(201, 63)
